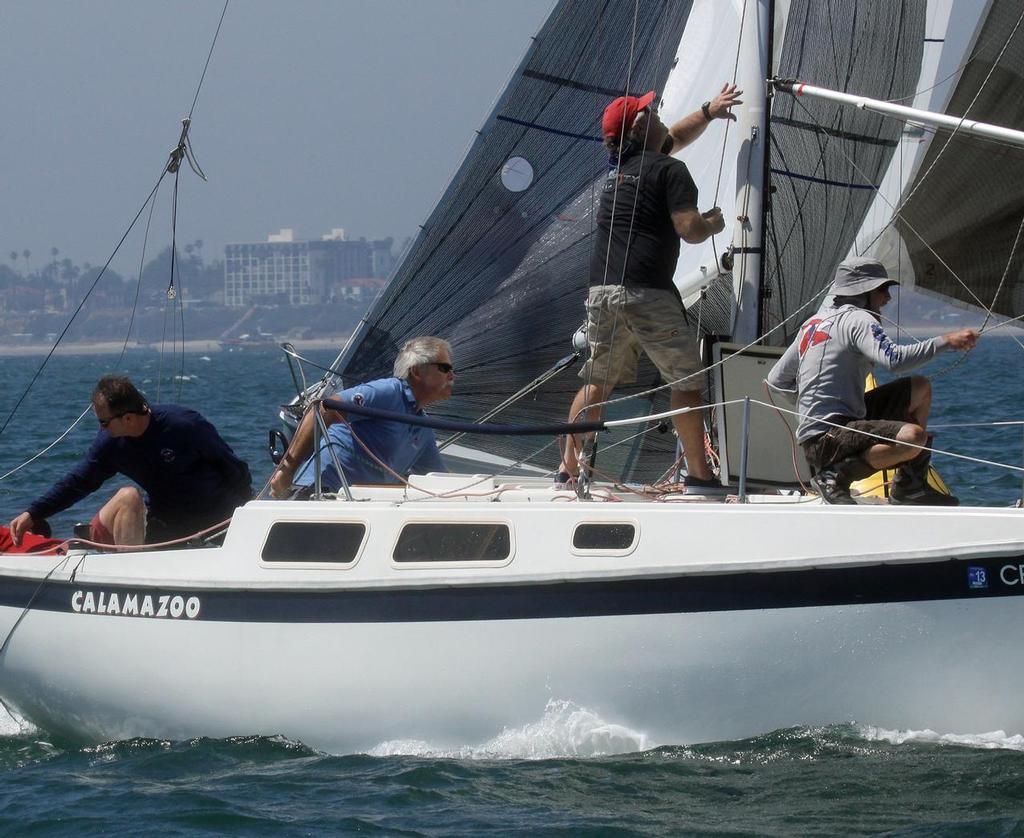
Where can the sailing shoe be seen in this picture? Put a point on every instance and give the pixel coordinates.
(832, 488)
(695, 483)
(910, 486)
(833, 483)
(922, 495)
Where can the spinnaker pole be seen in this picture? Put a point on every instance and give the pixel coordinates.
(970, 127)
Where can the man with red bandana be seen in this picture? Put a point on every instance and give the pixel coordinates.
(649, 203)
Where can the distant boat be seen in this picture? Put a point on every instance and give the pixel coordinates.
(259, 340)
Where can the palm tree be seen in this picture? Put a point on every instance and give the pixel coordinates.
(26, 253)
(14, 259)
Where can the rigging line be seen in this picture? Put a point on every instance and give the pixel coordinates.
(124, 347)
(395, 288)
(1007, 423)
(953, 454)
(995, 297)
(624, 131)
(728, 122)
(31, 600)
(941, 81)
(179, 295)
(160, 361)
(909, 226)
(59, 439)
(208, 57)
(78, 310)
(1008, 322)
(138, 284)
(954, 132)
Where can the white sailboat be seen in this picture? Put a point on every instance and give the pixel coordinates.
(448, 608)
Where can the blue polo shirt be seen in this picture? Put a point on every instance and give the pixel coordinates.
(408, 449)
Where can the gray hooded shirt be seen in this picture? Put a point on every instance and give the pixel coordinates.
(826, 366)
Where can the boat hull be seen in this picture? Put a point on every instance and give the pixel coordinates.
(952, 666)
(707, 621)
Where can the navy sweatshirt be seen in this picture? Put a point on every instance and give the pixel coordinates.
(181, 462)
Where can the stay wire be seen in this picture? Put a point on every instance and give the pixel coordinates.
(120, 358)
(209, 56)
(81, 305)
(917, 185)
(896, 212)
(120, 242)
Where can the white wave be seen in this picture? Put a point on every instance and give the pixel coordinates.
(992, 740)
(564, 730)
(13, 725)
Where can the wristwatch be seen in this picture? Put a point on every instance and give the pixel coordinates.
(706, 110)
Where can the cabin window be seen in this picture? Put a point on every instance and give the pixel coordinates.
(604, 536)
(445, 542)
(314, 541)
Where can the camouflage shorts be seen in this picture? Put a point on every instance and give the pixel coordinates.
(622, 321)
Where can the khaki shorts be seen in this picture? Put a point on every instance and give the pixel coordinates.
(622, 321)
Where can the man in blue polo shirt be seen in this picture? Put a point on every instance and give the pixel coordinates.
(376, 450)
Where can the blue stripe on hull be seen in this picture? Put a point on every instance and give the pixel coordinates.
(942, 580)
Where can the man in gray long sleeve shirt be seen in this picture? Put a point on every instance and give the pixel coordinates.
(825, 368)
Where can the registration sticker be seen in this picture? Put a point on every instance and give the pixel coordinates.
(977, 579)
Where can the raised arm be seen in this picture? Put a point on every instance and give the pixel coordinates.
(687, 129)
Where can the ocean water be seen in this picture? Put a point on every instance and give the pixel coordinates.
(567, 772)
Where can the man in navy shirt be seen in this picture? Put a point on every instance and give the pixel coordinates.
(376, 450)
(191, 477)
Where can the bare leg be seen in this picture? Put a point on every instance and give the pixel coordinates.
(579, 412)
(124, 515)
(690, 427)
(889, 454)
(920, 400)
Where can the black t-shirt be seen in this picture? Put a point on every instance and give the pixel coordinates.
(644, 243)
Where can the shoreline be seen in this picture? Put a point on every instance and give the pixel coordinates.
(113, 347)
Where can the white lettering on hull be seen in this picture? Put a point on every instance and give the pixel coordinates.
(172, 607)
(1012, 574)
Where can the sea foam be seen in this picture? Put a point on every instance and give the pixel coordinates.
(564, 730)
(992, 740)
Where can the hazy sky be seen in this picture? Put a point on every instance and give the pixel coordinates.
(314, 114)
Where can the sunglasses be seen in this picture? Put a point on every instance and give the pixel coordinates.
(105, 422)
(443, 366)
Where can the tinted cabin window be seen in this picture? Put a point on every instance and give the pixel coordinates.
(453, 543)
(307, 541)
(603, 536)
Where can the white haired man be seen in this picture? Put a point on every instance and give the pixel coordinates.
(825, 369)
(423, 374)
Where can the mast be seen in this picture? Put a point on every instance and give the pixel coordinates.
(751, 173)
